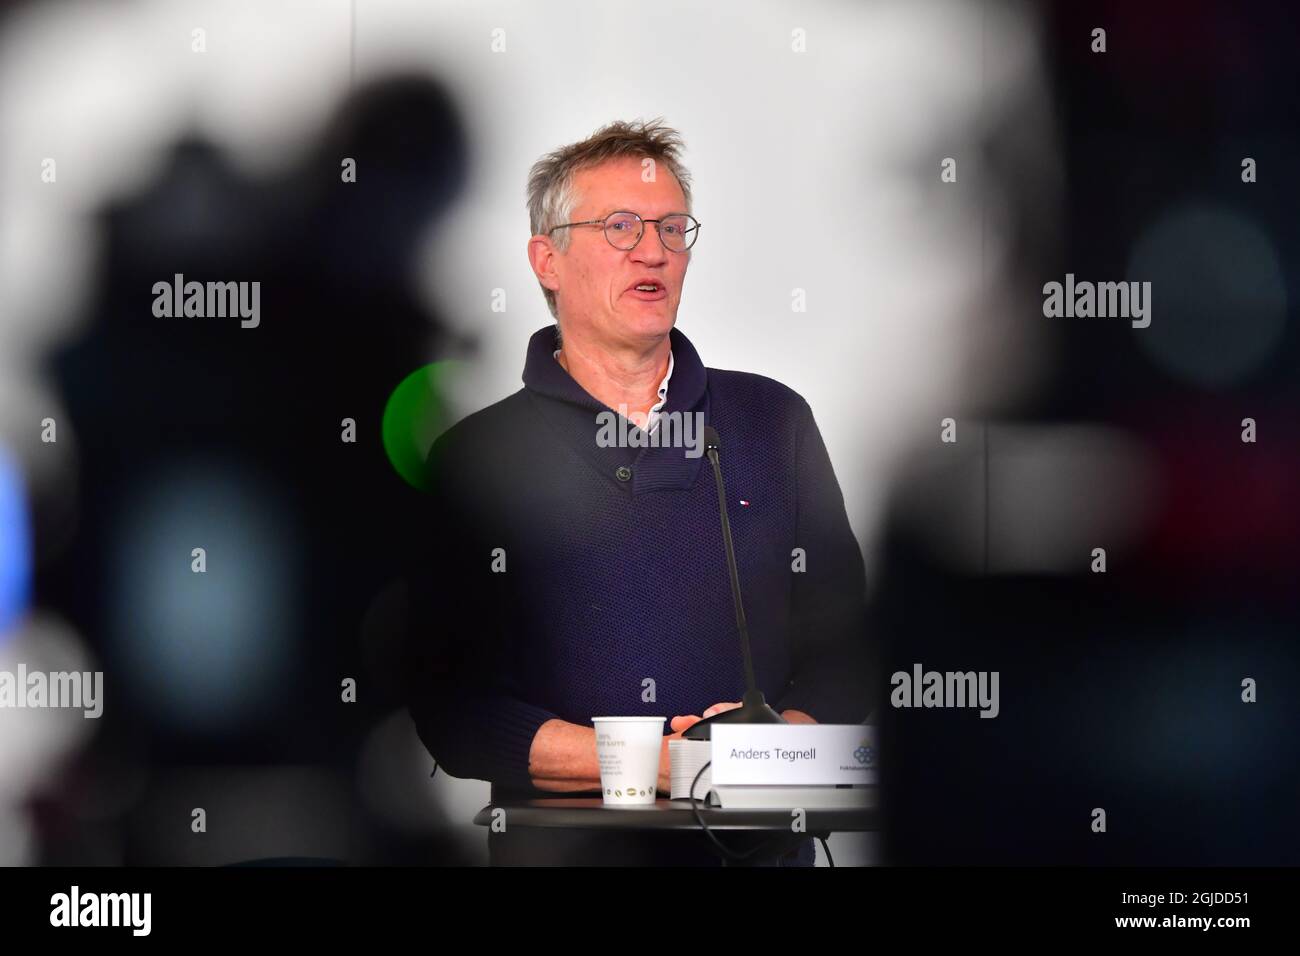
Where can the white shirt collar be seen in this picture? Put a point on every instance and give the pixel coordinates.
(653, 417)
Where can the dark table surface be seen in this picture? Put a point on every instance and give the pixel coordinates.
(665, 814)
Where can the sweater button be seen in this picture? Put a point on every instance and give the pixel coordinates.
(624, 473)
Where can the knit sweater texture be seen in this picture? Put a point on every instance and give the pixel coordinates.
(572, 580)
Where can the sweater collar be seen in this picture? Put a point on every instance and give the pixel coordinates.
(573, 410)
(545, 376)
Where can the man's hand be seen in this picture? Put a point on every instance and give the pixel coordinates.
(682, 723)
(563, 755)
(679, 724)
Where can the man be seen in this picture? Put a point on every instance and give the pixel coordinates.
(592, 572)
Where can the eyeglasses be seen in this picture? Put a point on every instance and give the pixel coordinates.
(677, 232)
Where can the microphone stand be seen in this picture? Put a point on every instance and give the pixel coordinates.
(753, 708)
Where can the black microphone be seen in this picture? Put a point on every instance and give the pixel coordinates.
(753, 709)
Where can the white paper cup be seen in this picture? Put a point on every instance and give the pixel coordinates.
(686, 758)
(629, 750)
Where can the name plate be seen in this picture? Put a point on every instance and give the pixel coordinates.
(794, 754)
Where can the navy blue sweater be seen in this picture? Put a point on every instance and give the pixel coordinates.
(610, 581)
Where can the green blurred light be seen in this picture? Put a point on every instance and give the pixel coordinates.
(413, 418)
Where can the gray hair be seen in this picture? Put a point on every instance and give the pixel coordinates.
(551, 194)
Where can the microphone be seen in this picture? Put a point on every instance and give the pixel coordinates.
(753, 709)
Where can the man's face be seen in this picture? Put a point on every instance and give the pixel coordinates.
(596, 288)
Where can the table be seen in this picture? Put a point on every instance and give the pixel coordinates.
(590, 813)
